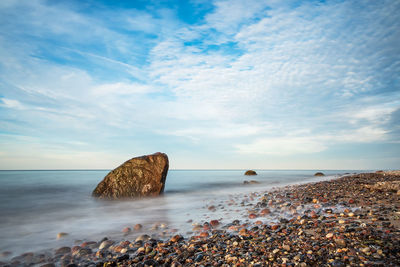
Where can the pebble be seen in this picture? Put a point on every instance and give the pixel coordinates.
(142, 238)
(274, 227)
(89, 244)
(198, 258)
(106, 244)
(340, 242)
(214, 223)
(176, 238)
(265, 212)
(63, 250)
(126, 230)
(252, 216)
(204, 234)
(365, 250)
(61, 235)
(137, 227)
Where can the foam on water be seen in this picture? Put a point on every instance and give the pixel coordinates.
(36, 205)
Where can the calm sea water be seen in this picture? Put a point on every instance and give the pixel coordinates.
(36, 205)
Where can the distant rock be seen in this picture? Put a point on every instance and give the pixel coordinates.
(137, 177)
(319, 174)
(61, 235)
(250, 172)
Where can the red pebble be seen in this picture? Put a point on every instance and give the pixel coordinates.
(204, 234)
(252, 216)
(214, 223)
(265, 211)
(126, 230)
(274, 227)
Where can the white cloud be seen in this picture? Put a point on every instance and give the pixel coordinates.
(11, 103)
(121, 88)
(229, 14)
(296, 143)
(282, 146)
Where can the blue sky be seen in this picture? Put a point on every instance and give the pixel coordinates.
(214, 84)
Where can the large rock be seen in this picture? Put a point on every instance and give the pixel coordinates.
(137, 177)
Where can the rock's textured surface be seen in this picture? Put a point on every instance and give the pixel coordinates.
(250, 172)
(137, 177)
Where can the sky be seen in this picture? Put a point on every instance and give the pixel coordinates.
(224, 84)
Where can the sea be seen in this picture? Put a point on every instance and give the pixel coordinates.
(37, 205)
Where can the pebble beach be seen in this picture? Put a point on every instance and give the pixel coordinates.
(350, 221)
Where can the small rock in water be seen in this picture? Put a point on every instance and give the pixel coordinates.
(106, 244)
(89, 244)
(252, 216)
(61, 235)
(214, 223)
(319, 174)
(176, 238)
(137, 227)
(83, 252)
(142, 238)
(63, 250)
(265, 211)
(250, 172)
(126, 230)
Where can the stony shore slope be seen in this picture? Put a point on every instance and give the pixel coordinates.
(350, 221)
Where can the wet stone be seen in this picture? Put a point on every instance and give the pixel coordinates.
(106, 244)
(63, 250)
(142, 238)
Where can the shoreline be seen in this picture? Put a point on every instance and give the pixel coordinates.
(350, 220)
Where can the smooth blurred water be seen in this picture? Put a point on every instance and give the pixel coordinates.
(36, 205)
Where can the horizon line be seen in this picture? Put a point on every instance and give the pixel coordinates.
(200, 169)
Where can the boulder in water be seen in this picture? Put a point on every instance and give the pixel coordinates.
(319, 174)
(137, 177)
(250, 172)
